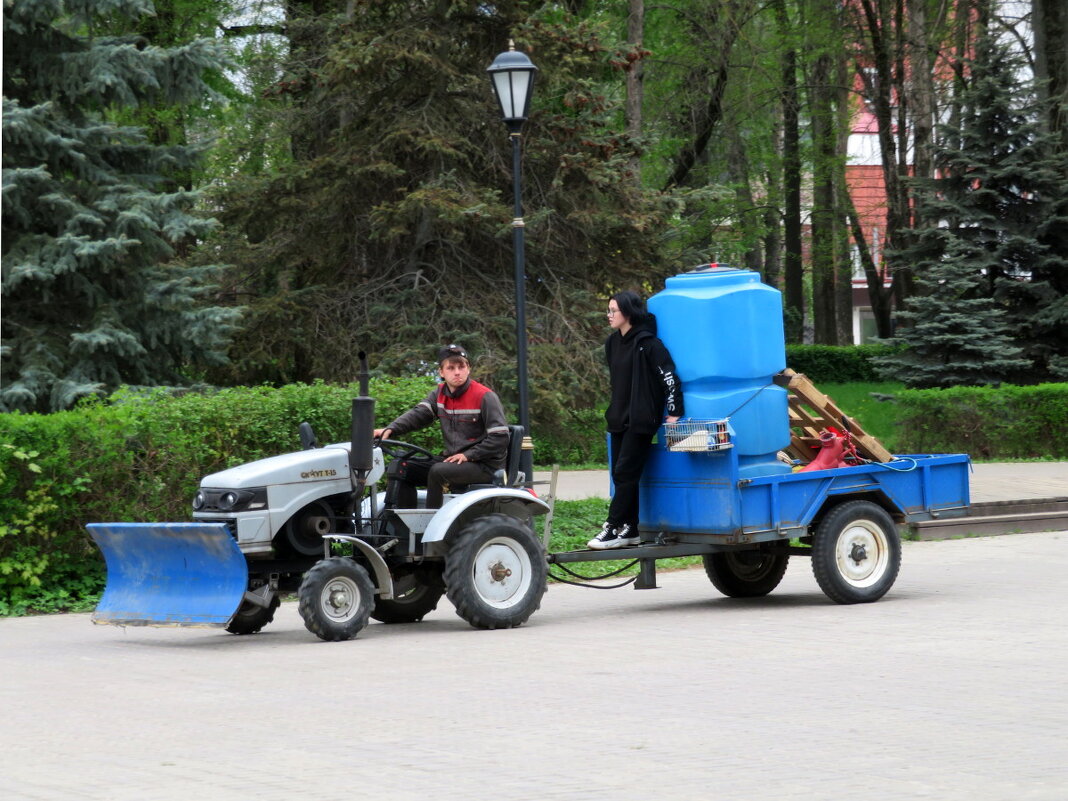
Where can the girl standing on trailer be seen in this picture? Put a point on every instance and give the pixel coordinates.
(644, 387)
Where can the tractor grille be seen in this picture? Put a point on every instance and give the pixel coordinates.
(231, 524)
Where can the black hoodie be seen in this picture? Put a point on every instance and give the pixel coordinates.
(643, 380)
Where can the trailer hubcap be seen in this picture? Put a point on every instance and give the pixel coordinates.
(862, 553)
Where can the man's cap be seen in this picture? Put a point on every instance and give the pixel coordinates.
(451, 352)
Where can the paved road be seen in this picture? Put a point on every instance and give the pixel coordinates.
(991, 481)
(951, 687)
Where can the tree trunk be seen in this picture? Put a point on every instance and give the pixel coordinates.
(793, 268)
(821, 110)
(773, 221)
(843, 295)
(1050, 24)
(878, 26)
(635, 79)
(922, 103)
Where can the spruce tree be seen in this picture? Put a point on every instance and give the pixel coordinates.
(989, 270)
(92, 295)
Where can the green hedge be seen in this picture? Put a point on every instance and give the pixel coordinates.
(140, 457)
(1007, 422)
(830, 364)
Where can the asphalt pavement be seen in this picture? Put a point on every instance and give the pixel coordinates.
(950, 688)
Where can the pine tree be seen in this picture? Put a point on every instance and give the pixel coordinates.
(92, 295)
(989, 270)
(390, 230)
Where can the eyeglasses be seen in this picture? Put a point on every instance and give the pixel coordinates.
(612, 312)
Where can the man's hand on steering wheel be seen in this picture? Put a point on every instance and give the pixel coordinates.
(404, 450)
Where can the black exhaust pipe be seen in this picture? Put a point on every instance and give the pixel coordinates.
(363, 423)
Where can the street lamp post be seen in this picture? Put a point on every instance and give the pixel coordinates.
(512, 76)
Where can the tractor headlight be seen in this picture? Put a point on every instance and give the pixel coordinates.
(230, 500)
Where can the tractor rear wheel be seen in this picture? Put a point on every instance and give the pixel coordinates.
(746, 574)
(856, 553)
(415, 594)
(336, 598)
(495, 572)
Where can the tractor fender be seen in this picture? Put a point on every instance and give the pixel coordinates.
(498, 499)
(383, 578)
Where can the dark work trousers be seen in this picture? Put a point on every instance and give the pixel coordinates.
(629, 452)
(444, 473)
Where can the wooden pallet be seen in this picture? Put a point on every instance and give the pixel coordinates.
(811, 412)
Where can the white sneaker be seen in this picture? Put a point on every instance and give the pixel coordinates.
(605, 539)
(627, 535)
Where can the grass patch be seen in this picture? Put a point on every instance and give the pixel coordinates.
(877, 418)
(575, 522)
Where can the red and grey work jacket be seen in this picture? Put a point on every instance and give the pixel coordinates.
(472, 422)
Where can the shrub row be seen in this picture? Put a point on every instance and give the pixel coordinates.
(140, 457)
(1006, 422)
(831, 364)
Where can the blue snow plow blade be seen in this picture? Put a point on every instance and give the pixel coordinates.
(169, 574)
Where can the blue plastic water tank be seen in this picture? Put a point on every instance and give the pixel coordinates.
(724, 330)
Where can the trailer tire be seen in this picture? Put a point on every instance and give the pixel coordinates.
(418, 596)
(856, 553)
(746, 574)
(495, 572)
(336, 598)
(250, 618)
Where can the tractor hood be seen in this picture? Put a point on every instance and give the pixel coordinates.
(328, 463)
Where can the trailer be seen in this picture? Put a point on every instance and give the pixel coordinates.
(846, 519)
(760, 471)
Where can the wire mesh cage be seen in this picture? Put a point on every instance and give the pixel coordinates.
(698, 436)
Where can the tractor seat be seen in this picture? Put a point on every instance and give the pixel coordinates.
(507, 476)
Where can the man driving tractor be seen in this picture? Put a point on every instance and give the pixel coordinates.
(473, 429)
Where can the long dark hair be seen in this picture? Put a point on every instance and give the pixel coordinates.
(633, 308)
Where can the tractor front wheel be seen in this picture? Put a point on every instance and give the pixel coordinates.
(495, 572)
(746, 574)
(856, 553)
(336, 598)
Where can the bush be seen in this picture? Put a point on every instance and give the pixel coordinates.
(832, 364)
(1007, 422)
(141, 455)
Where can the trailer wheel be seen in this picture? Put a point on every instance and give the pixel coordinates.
(495, 572)
(856, 553)
(335, 599)
(415, 594)
(745, 574)
(250, 618)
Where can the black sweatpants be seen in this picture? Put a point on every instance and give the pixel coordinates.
(406, 475)
(448, 473)
(629, 452)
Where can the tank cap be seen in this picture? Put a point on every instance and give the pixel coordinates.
(714, 267)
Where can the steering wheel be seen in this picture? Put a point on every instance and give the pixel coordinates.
(396, 449)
